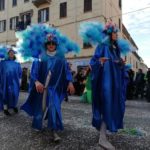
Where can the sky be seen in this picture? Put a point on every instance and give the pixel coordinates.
(138, 25)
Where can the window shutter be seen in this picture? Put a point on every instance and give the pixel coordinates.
(10, 23)
(63, 9)
(39, 16)
(4, 25)
(17, 21)
(87, 5)
(47, 14)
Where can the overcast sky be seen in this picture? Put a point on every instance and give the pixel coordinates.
(138, 25)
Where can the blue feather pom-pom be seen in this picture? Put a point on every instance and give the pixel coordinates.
(124, 46)
(3, 51)
(91, 32)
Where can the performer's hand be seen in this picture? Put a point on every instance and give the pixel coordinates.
(71, 88)
(124, 61)
(39, 87)
(103, 59)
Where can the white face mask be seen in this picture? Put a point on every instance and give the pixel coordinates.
(51, 53)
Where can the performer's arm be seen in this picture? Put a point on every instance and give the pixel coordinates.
(35, 71)
(95, 58)
(98, 58)
(35, 75)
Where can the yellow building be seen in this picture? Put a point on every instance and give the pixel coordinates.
(64, 14)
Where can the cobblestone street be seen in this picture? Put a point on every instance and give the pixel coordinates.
(16, 132)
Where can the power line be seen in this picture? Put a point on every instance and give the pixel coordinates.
(141, 9)
(129, 12)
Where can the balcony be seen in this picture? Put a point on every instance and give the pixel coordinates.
(37, 3)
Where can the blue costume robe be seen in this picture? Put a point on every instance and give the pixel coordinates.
(108, 87)
(10, 74)
(57, 88)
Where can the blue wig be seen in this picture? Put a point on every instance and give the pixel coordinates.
(31, 42)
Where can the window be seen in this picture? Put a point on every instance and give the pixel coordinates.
(119, 23)
(14, 23)
(87, 5)
(14, 2)
(130, 60)
(87, 45)
(26, 18)
(136, 65)
(20, 25)
(2, 25)
(63, 10)
(26, 1)
(43, 15)
(2, 5)
(120, 4)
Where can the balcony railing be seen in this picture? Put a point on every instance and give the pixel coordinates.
(37, 3)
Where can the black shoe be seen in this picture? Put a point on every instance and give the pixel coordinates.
(7, 113)
(16, 110)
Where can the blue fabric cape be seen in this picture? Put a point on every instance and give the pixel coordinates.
(10, 73)
(108, 85)
(56, 91)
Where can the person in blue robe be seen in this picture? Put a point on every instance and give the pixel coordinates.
(108, 77)
(10, 79)
(50, 80)
(108, 87)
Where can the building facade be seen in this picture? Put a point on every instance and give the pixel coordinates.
(63, 14)
(133, 58)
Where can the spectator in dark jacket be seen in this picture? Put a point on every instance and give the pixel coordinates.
(148, 85)
(130, 87)
(80, 82)
(139, 83)
(148, 76)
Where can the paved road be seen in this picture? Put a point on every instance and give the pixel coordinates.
(16, 132)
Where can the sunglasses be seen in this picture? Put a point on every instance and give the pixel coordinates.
(51, 43)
